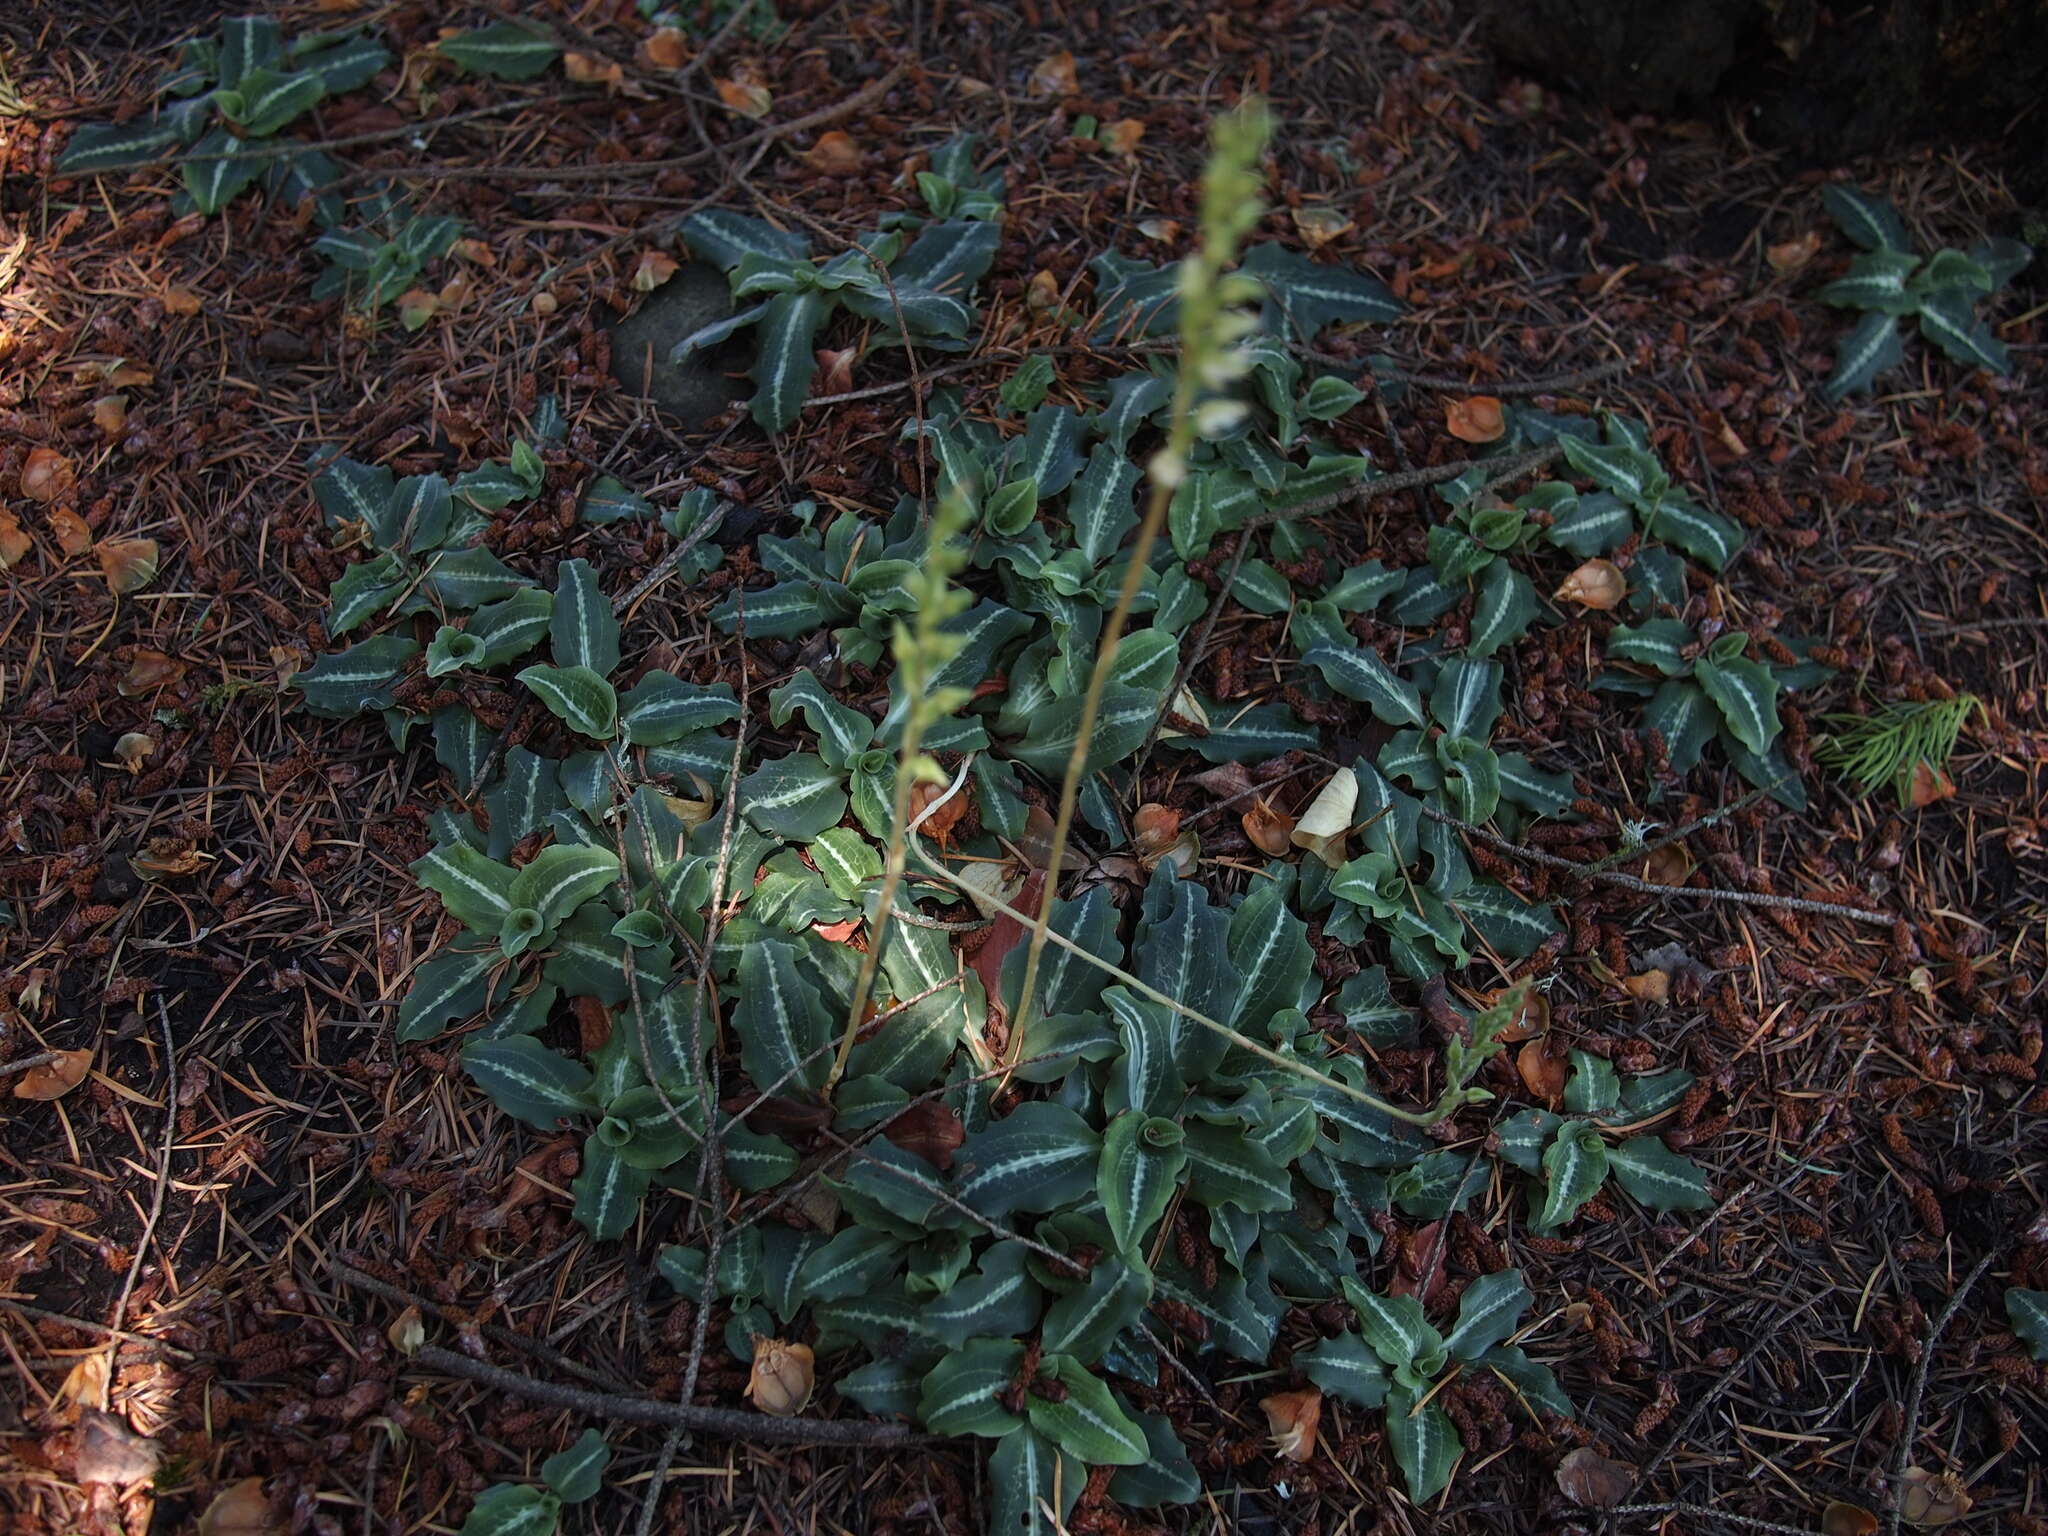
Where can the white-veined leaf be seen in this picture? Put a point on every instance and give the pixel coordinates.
(1315, 295)
(502, 49)
(512, 1509)
(578, 697)
(216, 170)
(1503, 609)
(795, 796)
(1574, 1167)
(959, 1395)
(1226, 1167)
(450, 986)
(1873, 346)
(1037, 1158)
(1359, 674)
(662, 708)
(1083, 1322)
(1657, 1176)
(267, 99)
(1488, 1312)
(723, 238)
(1875, 280)
(1099, 506)
(1871, 222)
(1124, 717)
(97, 148)
(1032, 1484)
(1086, 1422)
(1746, 694)
(780, 1019)
(2027, 1311)
(1345, 1368)
(785, 357)
(843, 733)
(584, 632)
(577, 1473)
(473, 888)
(1424, 1441)
(1684, 716)
(607, 1189)
(1394, 1326)
(1706, 535)
(1948, 319)
(1141, 1162)
(528, 1081)
(561, 878)
(1466, 698)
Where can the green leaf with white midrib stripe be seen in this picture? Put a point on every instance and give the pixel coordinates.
(474, 889)
(1227, 1168)
(662, 708)
(2027, 1311)
(795, 796)
(216, 170)
(786, 360)
(1466, 698)
(1574, 1167)
(843, 733)
(1270, 950)
(1000, 1299)
(578, 697)
(1948, 319)
(1503, 609)
(1707, 536)
(1871, 222)
(1099, 505)
(1658, 1177)
(1394, 1326)
(528, 1081)
(1873, 346)
(1033, 1484)
(1424, 1441)
(959, 1395)
(1082, 1323)
(1487, 1313)
(1875, 280)
(1746, 694)
(1359, 674)
(1345, 1368)
(1086, 1421)
(584, 632)
(450, 986)
(607, 1190)
(560, 879)
(1037, 1158)
(502, 49)
(780, 1020)
(1122, 719)
(853, 1263)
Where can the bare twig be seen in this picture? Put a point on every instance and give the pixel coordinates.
(1651, 888)
(1499, 388)
(26, 1063)
(732, 1423)
(163, 1180)
(1506, 466)
(1916, 1397)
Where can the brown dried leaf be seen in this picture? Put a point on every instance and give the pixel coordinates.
(474, 251)
(1055, 76)
(129, 564)
(181, 300)
(108, 1451)
(54, 1079)
(1670, 865)
(1840, 1519)
(1543, 1069)
(1121, 137)
(1596, 584)
(1042, 293)
(168, 865)
(837, 933)
(1933, 1498)
(1788, 256)
(132, 749)
(1165, 231)
(835, 154)
(1530, 1020)
(1591, 1481)
(931, 1129)
(73, 537)
(416, 307)
(46, 475)
(835, 370)
(585, 69)
(407, 1332)
(1292, 1419)
(1270, 831)
(782, 1376)
(1475, 419)
(941, 812)
(666, 48)
(240, 1509)
(652, 270)
(1319, 226)
(744, 98)
(15, 543)
(110, 415)
(1652, 987)
(1927, 785)
(1154, 829)
(149, 669)
(85, 1385)
(127, 375)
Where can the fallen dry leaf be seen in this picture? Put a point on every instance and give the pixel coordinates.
(1055, 76)
(744, 98)
(123, 374)
(85, 1384)
(1927, 785)
(782, 1376)
(941, 813)
(1165, 231)
(1652, 987)
(1933, 1498)
(1591, 1481)
(1154, 829)
(835, 369)
(1121, 137)
(1327, 821)
(545, 303)
(455, 292)
(666, 48)
(652, 270)
(108, 1451)
(46, 475)
(240, 1509)
(1531, 1019)
(54, 1079)
(73, 537)
(1291, 1419)
(129, 564)
(407, 1332)
(474, 251)
(929, 1128)
(168, 866)
(1270, 831)
(837, 933)
(1319, 226)
(585, 69)
(1788, 256)
(181, 300)
(131, 749)
(1543, 1068)
(1668, 866)
(1840, 1519)
(1475, 419)
(1042, 293)
(15, 543)
(110, 415)
(1596, 584)
(416, 307)
(835, 154)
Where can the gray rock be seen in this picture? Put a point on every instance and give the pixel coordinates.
(705, 383)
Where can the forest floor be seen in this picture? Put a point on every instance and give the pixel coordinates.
(225, 923)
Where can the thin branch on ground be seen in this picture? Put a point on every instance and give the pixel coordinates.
(731, 1423)
(1917, 1395)
(162, 1183)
